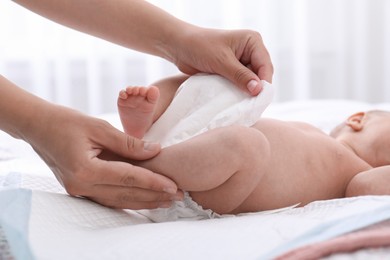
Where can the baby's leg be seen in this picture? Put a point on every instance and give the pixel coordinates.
(219, 168)
(168, 87)
(140, 107)
(136, 107)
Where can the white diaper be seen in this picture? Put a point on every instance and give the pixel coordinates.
(204, 102)
(187, 209)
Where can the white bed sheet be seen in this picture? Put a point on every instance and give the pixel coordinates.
(62, 227)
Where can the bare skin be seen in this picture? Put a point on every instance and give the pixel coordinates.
(139, 107)
(238, 55)
(136, 106)
(71, 143)
(270, 165)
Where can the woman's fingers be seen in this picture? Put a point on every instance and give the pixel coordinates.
(122, 185)
(126, 175)
(132, 198)
(124, 145)
(238, 55)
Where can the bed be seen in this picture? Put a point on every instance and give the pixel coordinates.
(38, 220)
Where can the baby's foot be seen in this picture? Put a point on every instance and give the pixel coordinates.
(136, 106)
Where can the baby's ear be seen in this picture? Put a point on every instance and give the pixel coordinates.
(356, 121)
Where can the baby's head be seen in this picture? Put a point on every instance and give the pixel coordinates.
(368, 134)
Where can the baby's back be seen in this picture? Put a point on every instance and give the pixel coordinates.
(304, 165)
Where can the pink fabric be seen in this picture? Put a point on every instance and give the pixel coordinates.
(377, 235)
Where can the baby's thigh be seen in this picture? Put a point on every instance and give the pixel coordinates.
(249, 156)
(249, 139)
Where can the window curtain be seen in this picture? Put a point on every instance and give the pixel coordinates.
(337, 49)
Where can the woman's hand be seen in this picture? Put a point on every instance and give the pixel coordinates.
(238, 55)
(70, 144)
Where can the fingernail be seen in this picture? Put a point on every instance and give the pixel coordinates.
(253, 85)
(151, 146)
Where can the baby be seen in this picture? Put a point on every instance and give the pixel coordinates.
(272, 164)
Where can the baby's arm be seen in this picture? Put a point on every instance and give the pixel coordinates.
(375, 181)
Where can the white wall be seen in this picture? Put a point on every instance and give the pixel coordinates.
(320, 49)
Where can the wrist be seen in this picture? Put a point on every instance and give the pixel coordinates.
(174, 39)
(23, 115)
(19, 109)
(32, 123)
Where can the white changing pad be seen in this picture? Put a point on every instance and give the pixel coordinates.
(45, 225)
(41, 222)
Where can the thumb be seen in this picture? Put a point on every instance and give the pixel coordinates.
(243, 77)
(128, 146)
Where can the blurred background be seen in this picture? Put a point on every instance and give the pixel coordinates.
(321, 49)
